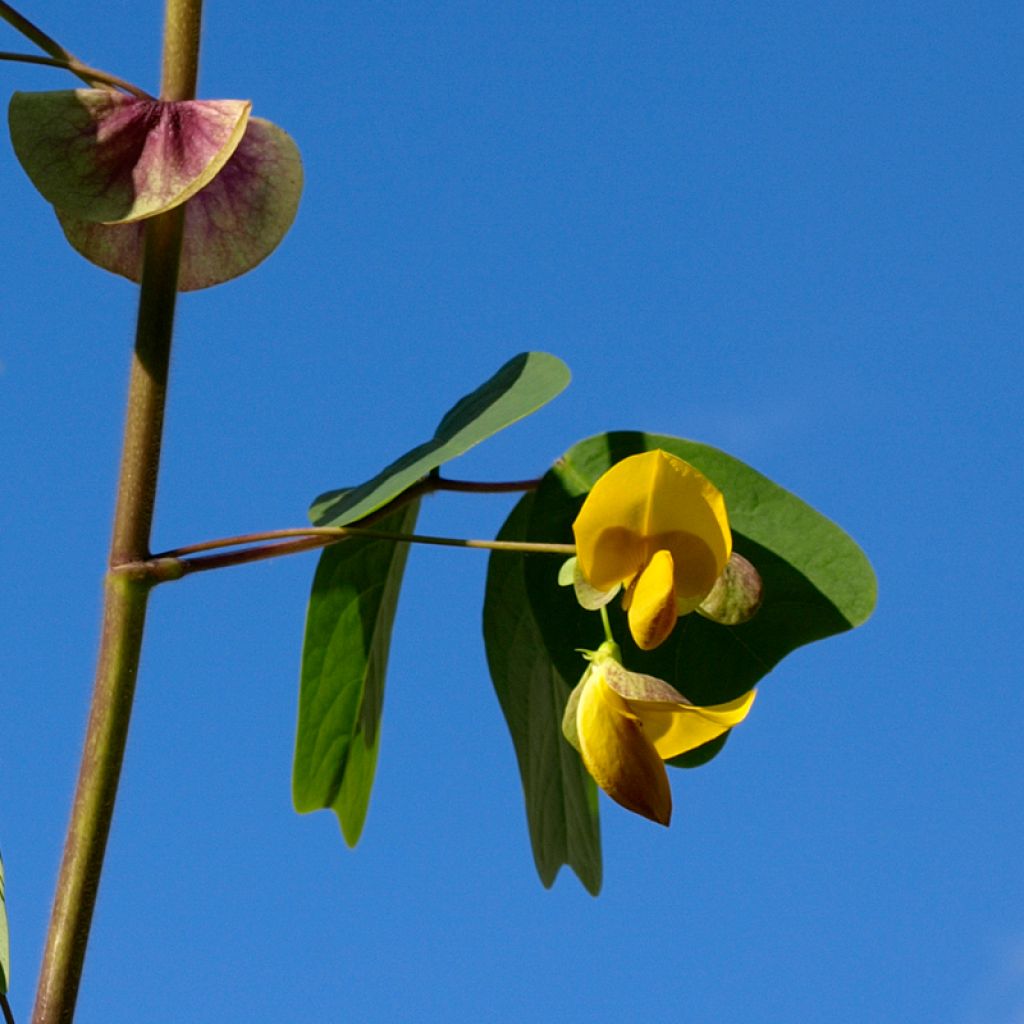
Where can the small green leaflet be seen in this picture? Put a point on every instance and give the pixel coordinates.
(344, 660)
(520, 387)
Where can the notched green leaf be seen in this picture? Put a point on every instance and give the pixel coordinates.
(520, 387)
(344, 659)
(231, 225)
(102, 156)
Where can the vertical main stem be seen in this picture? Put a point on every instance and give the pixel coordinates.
(124, 604)
(182, 23)
(124, 613)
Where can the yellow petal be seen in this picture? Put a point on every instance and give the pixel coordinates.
(685, 500)
(618, 755)
(696, 567)
(649, 502)
(675, 729)
(607, 555)
(653, 607)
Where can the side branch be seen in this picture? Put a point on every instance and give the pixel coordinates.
(45, 43)
(257, 547)
(91, 76)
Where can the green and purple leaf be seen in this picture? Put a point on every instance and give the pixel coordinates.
(231, 226)
(108, 161)
(103, 156)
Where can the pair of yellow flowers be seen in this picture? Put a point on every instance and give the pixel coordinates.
(658, 527)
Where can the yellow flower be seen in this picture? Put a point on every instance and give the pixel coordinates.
(659, 526)
(625, 725)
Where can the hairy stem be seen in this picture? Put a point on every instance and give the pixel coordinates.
(125, 595)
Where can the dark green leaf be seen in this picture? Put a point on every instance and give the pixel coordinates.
(702, 754)
(561, 799)
(817, 582)
(520, 387)
(344, 659)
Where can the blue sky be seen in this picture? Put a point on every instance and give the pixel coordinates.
(790, 230)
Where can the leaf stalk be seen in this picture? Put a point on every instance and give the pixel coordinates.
(257, 547)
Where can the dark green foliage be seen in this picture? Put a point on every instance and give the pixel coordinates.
(521, 386)
(344, 660)
(817, 582)
(561, 799)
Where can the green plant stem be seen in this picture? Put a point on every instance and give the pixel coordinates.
(121, 636)
(169, 565)
(6, 1007)
(442, 483)
(329, 534)
(45, 43)
(91, 75)
(123, 617)
(125, 595)
(182, 24)
(172, 565)
(429, 484)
